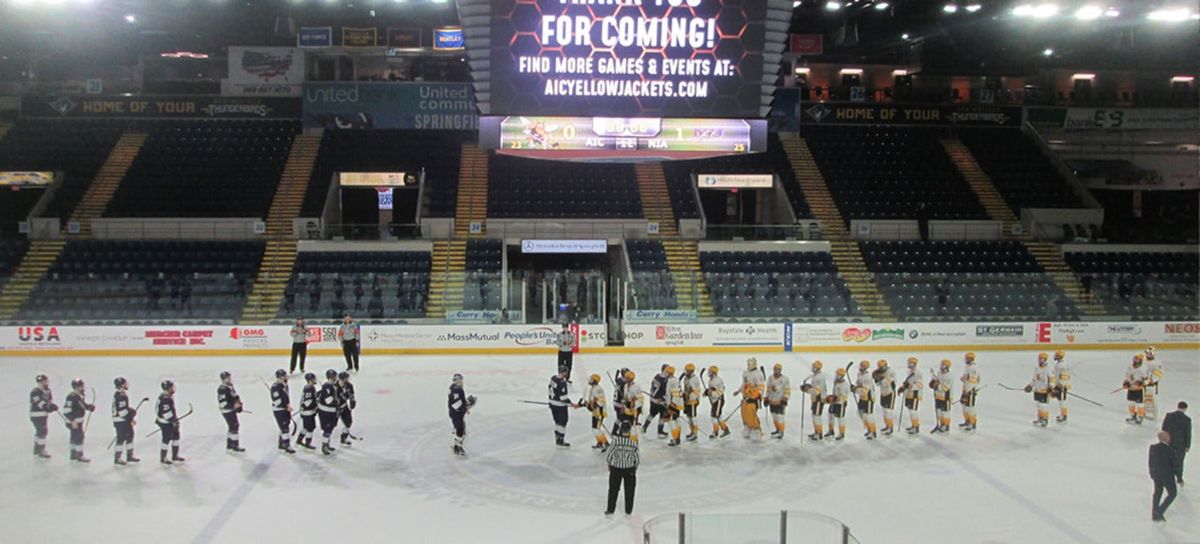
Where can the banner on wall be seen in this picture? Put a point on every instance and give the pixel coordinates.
(807, 44)
(257, 65)
(449, 38)
(315, 36)
(1116, 118)
(229, 88)
(26, 179)
(160, 107)
(838, 113)
(403, 37)
(433, 106)
(359, 37)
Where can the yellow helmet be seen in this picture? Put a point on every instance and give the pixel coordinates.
(817, 365)
(969, 357)
(912, 362)
(1059, 355)
(751, 363)
(778, 366)
(689, 368)
(1137, 359)
(841, 372)
(594, 379)
(629, 376)
(670, 370)
(882, 363)
(1042, 358)
(713, 369)
(864, 365)
(946, 363)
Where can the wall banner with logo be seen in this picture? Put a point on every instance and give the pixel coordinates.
(160, 107)
(403, 37)
(840, 113)
(448, 38)
(315, 36)
(434, 106)
(275, 65)
(359, 37)
(26, 179)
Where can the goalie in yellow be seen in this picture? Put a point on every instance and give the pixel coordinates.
(593, 399)
(779, 390)
(751, 392)
(692, 390)
(674, 407)
(865, 389)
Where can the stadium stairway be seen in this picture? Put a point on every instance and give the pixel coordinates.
(107, 179)
(683, 257)
(846, 253)
(981, 184)
(37, 260)
(449, 257)
(279, 257)
(1050, 257)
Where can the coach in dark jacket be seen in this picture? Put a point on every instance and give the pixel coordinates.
(1162, 471)
(1179, 425)
(622, 461)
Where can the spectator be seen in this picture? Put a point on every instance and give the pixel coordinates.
(1179, 426)
(1162, 472)
(622, 459)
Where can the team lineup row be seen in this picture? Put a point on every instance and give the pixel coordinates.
(331, 403)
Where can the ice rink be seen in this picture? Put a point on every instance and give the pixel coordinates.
(1082, 482)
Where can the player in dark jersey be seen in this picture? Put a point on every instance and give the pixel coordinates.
(75, 410)
(308, 411)
(230, 404)
(281, 405)
(168, 423)
(328, 402)
(41, 405)
(122, 416)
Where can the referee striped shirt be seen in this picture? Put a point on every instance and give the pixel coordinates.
(623, 453)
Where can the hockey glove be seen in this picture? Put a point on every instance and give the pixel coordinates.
(1028, 388)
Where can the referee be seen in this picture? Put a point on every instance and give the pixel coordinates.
(299, 344)
(566, 344)
(348, 333)
(622, 459)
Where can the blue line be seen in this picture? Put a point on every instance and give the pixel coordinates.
(234, 501)
(1011, 493)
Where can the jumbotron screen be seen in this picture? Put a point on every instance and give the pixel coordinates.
(626, 58)
(634, 136)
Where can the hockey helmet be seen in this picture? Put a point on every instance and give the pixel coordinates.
(119, 382)
(457, 379)
(42, 378)
(778, 367)
(343, 375)
(629, 376)
(594, 379)
(1137, 360)
(946, 364)
(77, 383)
(280, 373)
(669, 371)
(225, 375)
(1150, 352)
(1060, 355)
(689, 368)
(331, 374)
(751, 363)
(817, 366)
(864, 365)
(841, 372)
(713, 369)
(969, 357)
(168, 385)
(912, 362)
(881, 364)
(310, 377)
(1042, 357)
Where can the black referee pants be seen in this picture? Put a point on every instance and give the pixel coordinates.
(617, 476)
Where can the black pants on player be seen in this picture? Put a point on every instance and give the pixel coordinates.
(170, 439)
(308, 428)
(560, 423)
(656, 410)
(40, 430)
(231, 433)
(329, 421)
(565, 361)
(616, 478)
(76, 439)
(347, 418)
(350, 351)
(284, 420)
(299, 351)
(124, 437)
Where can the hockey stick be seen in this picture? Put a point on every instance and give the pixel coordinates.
(88, 421)
(534, 402)
(1084, 399)
(180, 418)
(135, 409)
(1007, 388)
(976, 392)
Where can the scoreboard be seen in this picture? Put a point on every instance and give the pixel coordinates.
(632, 135)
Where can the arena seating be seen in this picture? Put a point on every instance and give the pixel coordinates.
(942, 281)
(891, 173)
(125, 280)
(409, 151)
(1153, 217)
(794, 285)
(1145, 286)
(235, 165)
(481, 287)
(370, 284)
(77, 148)
(11, 252)
(1019, 170)
(653, 286)
(538, 189)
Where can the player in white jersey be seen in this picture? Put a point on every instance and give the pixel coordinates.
(838, 398)
(633, 403)
(942, 385)
(751, 392)
(779, 390)
(593, 399)
(816, 386)
(970, 389)
(674, 406)
(716, 400)
(1060, 380)
(865, 389)
(1134, 385)
(885, 378)
(1039, 385)
(1154, 373)
(911, 389)
(692, 390)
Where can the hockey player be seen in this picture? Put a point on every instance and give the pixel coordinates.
(459, 404)
(716, 401)
(1039, 385)
(281, 406)
(168, 424)
(658, 400)
(41, 405)
(815, 387)
(692, 390)
(299, 335)
(751, 392)
(865, 389)
(308, 411)
(1134, 385)
(1154, 375)
(632, 399)
(618, 400)
(942, 385)
(75, 409)
(328, 401)
(593, 399)
(837, 400)
(674, 406)
(230, 404)
(122, 416)
(1061, 380)
(348, 405)
(779, 390)
(911, 389)
(559, 402)
(885, 378)
(970, 389)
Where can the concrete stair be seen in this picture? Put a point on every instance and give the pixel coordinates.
(449, 259)
(656, 199)
(274, 272)
(34, 264)
(1050, 257)
(472, 199)
(683, 263)
(447, 277)
(293, 184)
(106, 182)
(850, 264)
(993, 202)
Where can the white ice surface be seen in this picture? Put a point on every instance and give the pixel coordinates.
(1083, 482)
